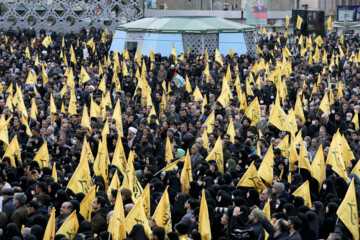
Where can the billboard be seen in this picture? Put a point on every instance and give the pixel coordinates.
(256, 12)
(349, 13)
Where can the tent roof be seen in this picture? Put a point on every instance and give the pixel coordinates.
(185, 25)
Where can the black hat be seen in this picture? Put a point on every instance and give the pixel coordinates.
(33, 204)
(7, 192)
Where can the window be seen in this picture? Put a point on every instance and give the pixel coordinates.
(322, 4)
(330, 5)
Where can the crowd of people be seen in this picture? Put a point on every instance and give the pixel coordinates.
(40, 71)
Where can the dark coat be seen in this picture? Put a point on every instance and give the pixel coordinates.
(19, 216)
(98, 220)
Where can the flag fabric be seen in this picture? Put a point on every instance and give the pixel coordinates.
(218, 57)
(217, 155)
(210, 122)
(284, 147)
(70, 227)
(137, 216)
(162, 214)
(204, 222)
(318, 166)
(304, 192)
(42, 156)
(102, 161)
(325, 104)
(117, 222)
(335, 158)
(299, 22)
(168, 151)
(119, 158)
(265, 170)
(54, 173)
(186, 174)
(188, 85)
(277, 116)
(251, 179)
(329, 23)
(13, 148)
(231, 130)
(304, 158)
(355, 120)
(50, 227)
(348, 211)
(178, 80)
(253, 112)
(115, 183)
(81, 179)
(287, 19)
(86, 204)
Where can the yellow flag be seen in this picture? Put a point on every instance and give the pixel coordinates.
(52, 104)
(346, 152)
(348, 213)
(23, 121)
(81, 179)
(210, 122)
(251, 179)
(277, 116)
(188, 85)
(356, 169)
(115, 183)
(248, 89)
(266, 168)
(318, 166)
(231, 53)
(50, 227)
(290, 124)
(86, 204)
(86, 151)
(72, 104)
(197, 94)
(117, 221)
(325, 104)
(70, 227)
(27, 53)
(335, 158)
(118, 118)
(162, 214)
(304, 192)
(304, 158)
(102, 85)
(287, 21)
(42, 156)
(145, 196)
(168, 151)
(186, 174)
(284, 147)
(298, 110)
(54, 173)
(95, 110)
(253, 112)
(204, 222)
(13, 148)
(293, 156)
(218, 57)
(231, 131)
(217, 155)
(355, 120)
(299, 22)
(85, 121)
(119, 158)
(137, 216)
(84, 76)
(329, 23)
(102, 161)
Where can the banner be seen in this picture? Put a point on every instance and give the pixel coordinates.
(349, 13)
(256, 12)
